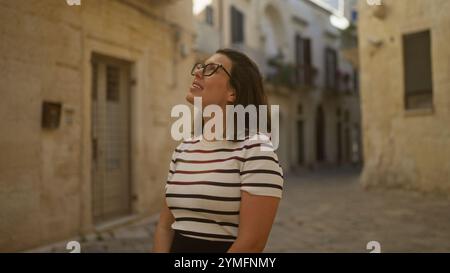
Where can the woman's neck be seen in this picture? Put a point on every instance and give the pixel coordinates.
(210, 135)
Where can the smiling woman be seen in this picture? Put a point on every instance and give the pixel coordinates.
(221, 195)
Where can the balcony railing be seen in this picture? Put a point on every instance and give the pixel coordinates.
(282, 75)
(290, 75)
(306, 75)
(341, 84)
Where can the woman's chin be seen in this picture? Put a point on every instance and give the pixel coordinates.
(191, 95)
(190, 98)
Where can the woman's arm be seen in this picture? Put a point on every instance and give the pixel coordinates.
(164, 233)
(257, 214)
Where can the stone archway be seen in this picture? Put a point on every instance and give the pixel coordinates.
(274, 31)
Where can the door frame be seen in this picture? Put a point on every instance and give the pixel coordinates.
(127, 66)
(134, 56)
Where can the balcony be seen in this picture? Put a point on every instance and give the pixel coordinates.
(339, 83)
(289, 75)
(306, 76)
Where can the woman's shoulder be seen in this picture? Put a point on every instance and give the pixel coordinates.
(187, 142)
(261, 142)
(262, 138)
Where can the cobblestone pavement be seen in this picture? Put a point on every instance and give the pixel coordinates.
(331, 212)
(322, 212)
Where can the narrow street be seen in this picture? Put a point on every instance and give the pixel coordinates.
(323, 212)
(331, 212)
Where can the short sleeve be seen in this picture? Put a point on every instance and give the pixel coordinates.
(261, 173)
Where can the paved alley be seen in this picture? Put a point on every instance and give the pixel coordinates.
(323, 212)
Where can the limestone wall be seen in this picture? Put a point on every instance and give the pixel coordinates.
(404, 148)
(45, 52)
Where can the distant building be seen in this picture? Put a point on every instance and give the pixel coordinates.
(298, 52)
(85, 113)
(405, 83)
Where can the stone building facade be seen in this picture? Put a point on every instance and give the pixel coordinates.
(405, 82)
(85, 113)
(312, 83)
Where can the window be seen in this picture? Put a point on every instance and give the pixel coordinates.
(237, 26)
(417, 68)
(209, 15)
(354, 16)
(331, 65)
(303, 60)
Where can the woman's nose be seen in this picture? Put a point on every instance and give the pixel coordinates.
(198, 74)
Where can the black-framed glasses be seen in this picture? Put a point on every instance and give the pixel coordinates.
(208, 69)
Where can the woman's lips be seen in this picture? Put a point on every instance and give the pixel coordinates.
(197, 86)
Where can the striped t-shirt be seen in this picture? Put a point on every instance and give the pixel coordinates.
(205, 181)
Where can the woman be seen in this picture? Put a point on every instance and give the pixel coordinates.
(221, 195)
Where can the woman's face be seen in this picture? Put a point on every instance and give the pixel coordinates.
(214, 89)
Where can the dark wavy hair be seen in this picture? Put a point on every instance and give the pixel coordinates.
(247, 81)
